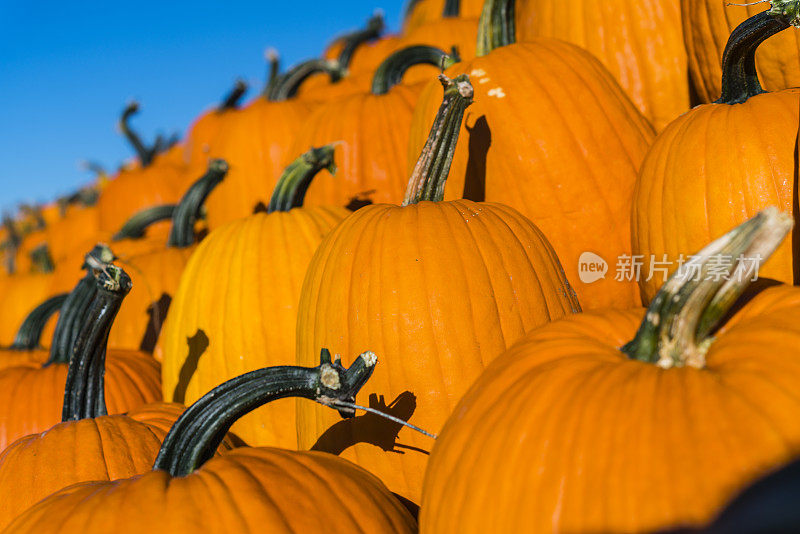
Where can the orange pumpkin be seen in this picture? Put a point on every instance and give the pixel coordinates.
(26, 347)
(236, 492)
(693, 186)
(573, 430)
(31, 397)
(201, 346)
(423, 12)
(706, 27)
(567, 160)
(438, 288)
(640, 43)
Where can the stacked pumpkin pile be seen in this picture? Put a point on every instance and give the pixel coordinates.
(420, 232)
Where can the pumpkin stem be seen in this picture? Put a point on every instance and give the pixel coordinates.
(187, 212)
(234, 97)
(94, 167)
(84, 394)
(144, 154)
(430, 173)
(273, 70)
(452, 8)
(289, 83)
(290, 191)
(739, 76)
(76, 307)
(496, 27)
(41, 260)
(373, 30)
(677, 327)
(391, 70)
(30, 332)
(198, 432)
(136, 226)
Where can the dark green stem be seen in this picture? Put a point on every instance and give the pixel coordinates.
(84, 393)
(676, 330)
(390, 72)
(273, 71)
(289, 83)
(198, 432)
(352, 41)
(452, 8)
(42, 260)
(292, 185)
(234, 97)
(188, 211)
(137, 225)
(430, 173)
(75, 308)
(144, 154)
(497, 26)
(739, 76)
(30, 332)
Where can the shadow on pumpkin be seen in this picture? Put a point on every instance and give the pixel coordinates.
(480, 139)
(198, 344)
(157, 312)
(371, 428)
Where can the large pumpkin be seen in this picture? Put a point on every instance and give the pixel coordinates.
(640, 43)
(235, 308)
(553, 135)
(695, 183)
(575, 430)
(438, 288)
(706, 27)
(244, 491)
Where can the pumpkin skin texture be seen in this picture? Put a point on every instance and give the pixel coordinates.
(582, 149)
(564, 420)
(689, 168)
(248, 326)
(19, 295)
(706, 27)
(425, 12)
(640, 43)
(319, 493)
(438, 289)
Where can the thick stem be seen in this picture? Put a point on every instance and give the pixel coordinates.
(430, 173)
(497, 26)
(234, 97)
(30, 332)
(289, 83)
(273, 71)
(739, 76)
(373, 30)
(41, 259)
(452, 8)
(76, 307)
(188, 211)
(198, 432)
(293, 183)
(677, 327)
(84, 395)
(144, 154)
(137, 225)
(390, 72)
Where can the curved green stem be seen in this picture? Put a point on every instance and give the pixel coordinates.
(497, 26)
(84, 395)
(293, 183)
(273, 71)
(30, 332)
(198, 432)
(144, 154)
(136, 226)
(390, 72)
(289, 83)
(188, 211)
(677, 327)
(234, 97)
(373, 30)
(76, 307)
(430, 173)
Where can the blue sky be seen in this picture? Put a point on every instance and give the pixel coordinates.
(68, 68)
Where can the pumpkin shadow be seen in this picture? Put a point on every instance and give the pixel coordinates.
(360, 200)
(796, 214)
(157, 312)
(480, 139)
(371, 428)
(198, 344)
